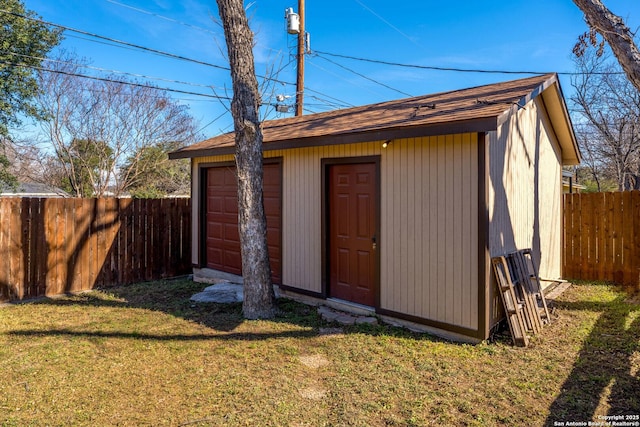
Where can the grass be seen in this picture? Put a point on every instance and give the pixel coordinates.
(146, 355)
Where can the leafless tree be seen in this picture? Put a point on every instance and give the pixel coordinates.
(98, 129)
(607, 120)
(619, 37)
(259, 299)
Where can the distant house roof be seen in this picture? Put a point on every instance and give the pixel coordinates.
(477, 109)
(32, 189)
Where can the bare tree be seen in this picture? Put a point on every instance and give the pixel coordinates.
(607, 120)
(99, 129)
(259, 298)
(619, 37)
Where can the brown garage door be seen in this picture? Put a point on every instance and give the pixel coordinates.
(223, 239)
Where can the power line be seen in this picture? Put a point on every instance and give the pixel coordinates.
(428, 67)
(341, 77)
(135, 84)
(103, 79)
(112, 71)
(133, 45)
(212, 121)
(330, 97)
(365, 77)
(124, 43)
(460, 70)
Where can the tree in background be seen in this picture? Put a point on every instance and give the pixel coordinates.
(107, 126)
(86, 165)
(608, 105)
(607, 120)
(153, 175)
(259, 298)
(23, 44)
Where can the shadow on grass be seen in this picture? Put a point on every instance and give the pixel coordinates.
(172, 297)
(603, 369)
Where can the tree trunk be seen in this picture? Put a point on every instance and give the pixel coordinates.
(613, 29)
(259, 298)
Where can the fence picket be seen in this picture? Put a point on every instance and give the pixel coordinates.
(602, 240)
(53, 246)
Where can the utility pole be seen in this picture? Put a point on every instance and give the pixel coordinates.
(300, 68)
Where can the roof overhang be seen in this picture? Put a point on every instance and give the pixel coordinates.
(561, 121)
(472, 110)
(484, 124)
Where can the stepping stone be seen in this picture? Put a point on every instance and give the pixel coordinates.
(367, 320)
(223, 293)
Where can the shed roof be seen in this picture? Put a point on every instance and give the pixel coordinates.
(34, 189)
(476, 109)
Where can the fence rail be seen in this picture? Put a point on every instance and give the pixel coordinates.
(602, 236)
(53, 246)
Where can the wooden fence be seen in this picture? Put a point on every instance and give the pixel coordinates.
(602, 236)
(54, 246)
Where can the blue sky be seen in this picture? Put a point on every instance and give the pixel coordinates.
(513, 36)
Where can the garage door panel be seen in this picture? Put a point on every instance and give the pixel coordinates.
(231, 234)
(214, 255)
(214, 230)
(223, 238)
(231, 204)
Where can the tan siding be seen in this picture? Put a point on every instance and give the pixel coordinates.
(430, 229)
(550, 206)
(525, 209)
(302, 213)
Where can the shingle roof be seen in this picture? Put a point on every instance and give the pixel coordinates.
(467, 110)
(33, 189)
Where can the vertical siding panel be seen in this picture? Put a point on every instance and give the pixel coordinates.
(304, 212)
(386, 292)
(441, 279)
(289, 194)
(425, 259)
(314, 193)
(195, 212)
(465, 229)
(395, 221)
(456, 218)
(433, 227)
(299, 184)
(411, 230)
(416, 213)
(383, 246)
(402, 222)
(474, 280)
(449, 231)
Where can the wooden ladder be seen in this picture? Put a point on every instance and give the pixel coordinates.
(513, 307)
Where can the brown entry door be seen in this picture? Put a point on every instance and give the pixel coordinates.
(352, 232)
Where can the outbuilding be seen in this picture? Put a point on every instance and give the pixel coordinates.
(398, 207)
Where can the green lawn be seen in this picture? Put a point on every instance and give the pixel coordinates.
(145, 355)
